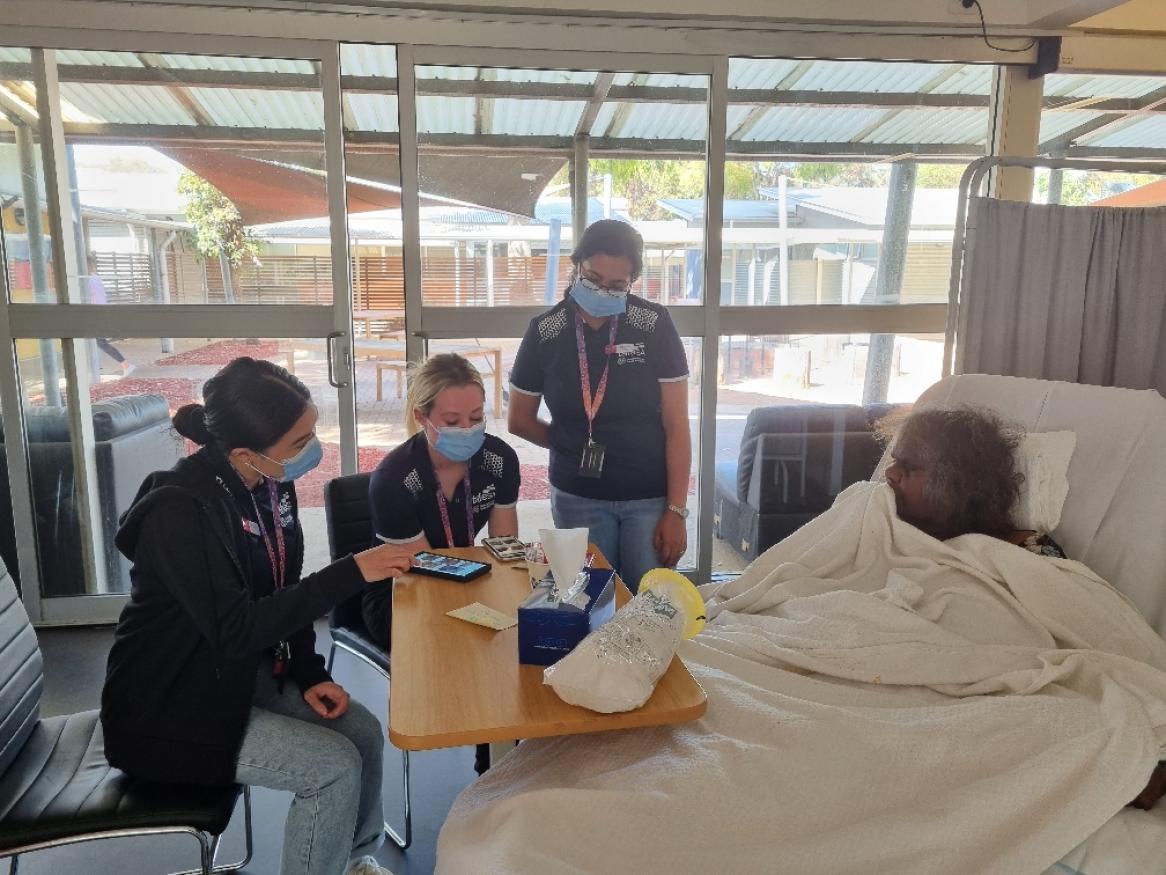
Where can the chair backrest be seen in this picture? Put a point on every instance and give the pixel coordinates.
(21, 673)
(349, 521)
(1114, 519)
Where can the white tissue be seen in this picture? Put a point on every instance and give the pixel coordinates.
(566, 550)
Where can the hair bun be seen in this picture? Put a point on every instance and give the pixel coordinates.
(190, 422)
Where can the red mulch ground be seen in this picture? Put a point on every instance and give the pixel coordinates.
(222, 352)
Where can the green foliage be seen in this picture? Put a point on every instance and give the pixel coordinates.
(1084, 187)
(645, 183)
(218, 227)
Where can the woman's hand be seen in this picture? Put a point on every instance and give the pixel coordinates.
(385, 561)
(327, 699)
(670, 539)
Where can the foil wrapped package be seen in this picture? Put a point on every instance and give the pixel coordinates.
(616, 668)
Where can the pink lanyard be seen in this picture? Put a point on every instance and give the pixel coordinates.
(591, 404)
(444, 508)
(278, 570)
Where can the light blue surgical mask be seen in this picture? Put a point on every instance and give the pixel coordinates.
(459, 444)
(598, 302)
(301, 463)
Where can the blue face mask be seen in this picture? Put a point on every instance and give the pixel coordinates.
(301, 463)
(459, 444)
(597, 302)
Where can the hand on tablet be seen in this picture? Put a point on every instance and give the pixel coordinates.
(387, 560)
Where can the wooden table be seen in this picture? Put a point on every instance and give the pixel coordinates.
(455, 684)
(389, 355)
(394, 318)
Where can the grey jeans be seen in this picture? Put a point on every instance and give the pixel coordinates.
(332, 766)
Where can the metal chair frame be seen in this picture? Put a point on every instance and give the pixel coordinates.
(208, 844)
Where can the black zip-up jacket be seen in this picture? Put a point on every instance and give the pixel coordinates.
(182, 669)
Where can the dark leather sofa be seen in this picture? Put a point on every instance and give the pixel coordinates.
(794, 459)
(132, 437)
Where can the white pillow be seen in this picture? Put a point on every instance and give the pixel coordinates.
(1043, 458)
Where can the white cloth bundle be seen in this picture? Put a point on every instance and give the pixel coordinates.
(616, 667)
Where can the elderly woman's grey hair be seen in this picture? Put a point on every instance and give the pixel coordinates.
(972, 481)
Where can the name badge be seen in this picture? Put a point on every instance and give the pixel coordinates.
(591, 465)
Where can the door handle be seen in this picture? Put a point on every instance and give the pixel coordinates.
(331, 354)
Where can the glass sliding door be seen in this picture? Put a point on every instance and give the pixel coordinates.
(162, 216)
(515, 155)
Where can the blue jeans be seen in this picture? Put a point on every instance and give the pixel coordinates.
(332, 766)
(622, 530)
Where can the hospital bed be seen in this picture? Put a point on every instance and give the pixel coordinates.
(1113, 520)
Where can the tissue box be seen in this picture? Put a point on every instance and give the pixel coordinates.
(548, 631)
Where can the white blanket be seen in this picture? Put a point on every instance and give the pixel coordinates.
(879, 701)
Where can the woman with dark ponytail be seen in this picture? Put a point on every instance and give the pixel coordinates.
(213, 677)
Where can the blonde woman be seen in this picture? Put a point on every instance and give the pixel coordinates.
(441, 486)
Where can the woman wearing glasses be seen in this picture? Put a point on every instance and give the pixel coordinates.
(614, 375)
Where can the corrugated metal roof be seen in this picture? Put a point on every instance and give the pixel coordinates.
(812, 124)
(1145, 133)
(372, 112)
(959, 126)
(123, 104)
(445, 115)
(253, 108)
(1055, 124)
(658, 121)
(1083, 85)
(533, 117)
(303, 109)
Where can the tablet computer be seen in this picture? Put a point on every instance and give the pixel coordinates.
(448, 567)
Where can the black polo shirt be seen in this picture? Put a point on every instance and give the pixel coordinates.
(648, 352)
(403, 492)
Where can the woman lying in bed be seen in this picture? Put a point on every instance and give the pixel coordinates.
(953, 474)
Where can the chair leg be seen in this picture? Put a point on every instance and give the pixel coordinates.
(211, 844)
(15, 863)
(403, 841)
(331, 657)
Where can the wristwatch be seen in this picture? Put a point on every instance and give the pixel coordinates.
(681, 512)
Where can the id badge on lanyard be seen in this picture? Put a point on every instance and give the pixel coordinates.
(591, 464)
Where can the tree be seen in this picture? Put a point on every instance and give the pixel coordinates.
(218, 226)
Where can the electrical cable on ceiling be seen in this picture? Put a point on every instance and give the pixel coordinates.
(968, 4)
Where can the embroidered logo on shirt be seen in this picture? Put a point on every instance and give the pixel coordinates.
(552, 325)
(642, 318)
(631, 353)
(484, 500)
(492, 463)
(413, 482)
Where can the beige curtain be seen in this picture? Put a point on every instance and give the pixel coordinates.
(1066, 293)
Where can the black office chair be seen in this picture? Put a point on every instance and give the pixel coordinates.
(56, 787)
(350, 531)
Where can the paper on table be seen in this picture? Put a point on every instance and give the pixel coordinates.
(566, 549)
(481, 615)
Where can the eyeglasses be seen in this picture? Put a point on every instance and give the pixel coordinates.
(619, 290)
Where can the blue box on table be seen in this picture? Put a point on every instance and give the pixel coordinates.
(549, 630)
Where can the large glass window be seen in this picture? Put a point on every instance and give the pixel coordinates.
(1101, 117)
(132, 436)
(496, 163)
(792, 429)
(841, 177)
(196, 179)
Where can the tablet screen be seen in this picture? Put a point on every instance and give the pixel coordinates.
(450, 565)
